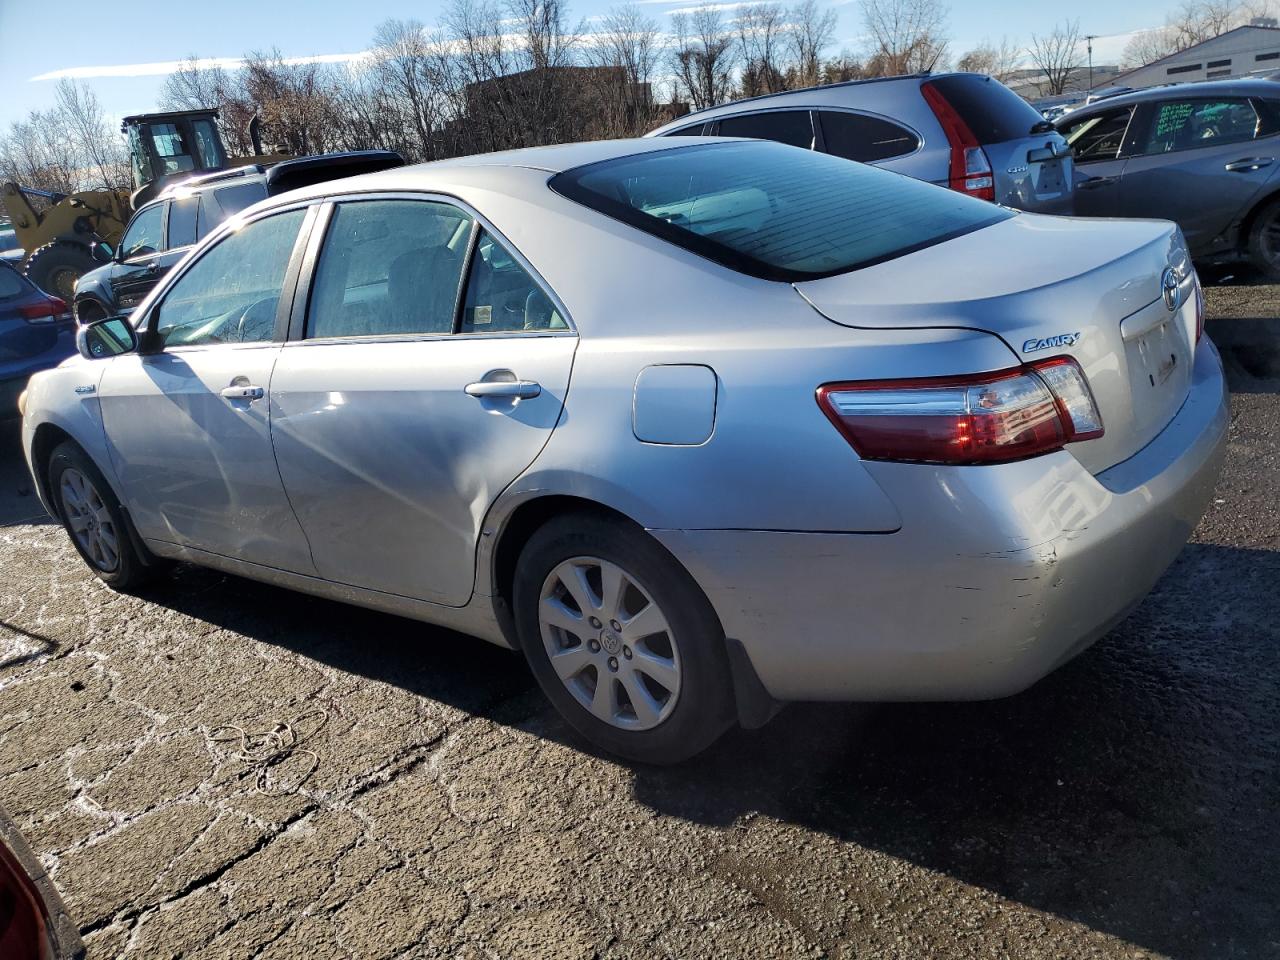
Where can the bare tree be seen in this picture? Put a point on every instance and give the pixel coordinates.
(1057, 56)
(995, 61)
(761, 29)
(1194, 21)
(38, 152)
(195, 86)
(103, 162)
(702, 57)
(1148, 46)
(67, 148)
(843, 68)
(626, 49)
(811, 30)
(401, 63)
(1199, 20)
(907, 35)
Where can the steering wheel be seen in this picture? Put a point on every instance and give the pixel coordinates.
(255, 315)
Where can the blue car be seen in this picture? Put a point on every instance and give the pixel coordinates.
(36, 332)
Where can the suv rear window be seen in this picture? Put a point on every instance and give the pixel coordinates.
(990, 109)
(11, 284)
(772, 211)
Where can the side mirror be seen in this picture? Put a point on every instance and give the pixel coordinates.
(102, 252)
(106, 338)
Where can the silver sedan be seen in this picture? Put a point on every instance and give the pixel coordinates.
(701, 426)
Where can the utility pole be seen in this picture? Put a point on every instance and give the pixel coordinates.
(1089, 40)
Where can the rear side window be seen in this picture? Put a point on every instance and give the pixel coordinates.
(1188, 124)
(182, 222)
(773, 212)
(11, 285)
(502, 297)
(990, 109)
(231, 200)
(692, 131)
(389, 267)
(1098, 137)
(782, 126)
(855, 136)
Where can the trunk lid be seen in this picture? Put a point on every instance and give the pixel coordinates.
(1048, 286)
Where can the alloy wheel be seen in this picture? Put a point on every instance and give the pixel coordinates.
(609, 643)
(90, 520)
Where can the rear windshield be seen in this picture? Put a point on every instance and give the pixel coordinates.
(11, 285)
(990, 109)
(775, 211)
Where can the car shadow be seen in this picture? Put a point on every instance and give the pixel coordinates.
(1250, 349)
(19, 503)
(1133, 791)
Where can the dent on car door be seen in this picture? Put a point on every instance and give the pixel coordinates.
(1199, 161)
(431, 373)
(186, 422)
(1098, 147)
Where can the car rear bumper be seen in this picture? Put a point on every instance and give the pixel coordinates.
(998, 575)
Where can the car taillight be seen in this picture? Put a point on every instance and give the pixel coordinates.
(46, 311)
(985, 418)
(970, 169)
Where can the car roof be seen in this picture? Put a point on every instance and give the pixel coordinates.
(1239, 88)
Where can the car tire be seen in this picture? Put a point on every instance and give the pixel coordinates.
(648, 721)
(56, 266)
(94, 520)
(1264, 240)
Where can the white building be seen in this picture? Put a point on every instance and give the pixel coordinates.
(1252, 50)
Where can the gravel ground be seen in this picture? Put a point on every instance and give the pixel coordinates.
(224, 769)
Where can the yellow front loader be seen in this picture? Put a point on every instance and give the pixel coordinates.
(66, 235)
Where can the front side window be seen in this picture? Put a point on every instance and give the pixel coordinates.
(774, 212)
(145, 235)
(502, 297)
(182, 222)
(389, 267)
(692, 131)
(1188, 124)
(1099, 137)
(231, 293)
(782, 126)
(855, 136)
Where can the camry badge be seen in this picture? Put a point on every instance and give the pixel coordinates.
(87, 389)
(1047, 343)
(1169, 288)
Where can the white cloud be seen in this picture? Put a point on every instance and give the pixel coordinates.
(160, 68)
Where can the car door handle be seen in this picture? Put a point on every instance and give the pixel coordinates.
(1094, 182)
(507, 389)
(1249, 164)
(242, 392)
(153, 266)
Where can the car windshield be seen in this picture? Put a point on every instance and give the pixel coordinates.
(775, 211)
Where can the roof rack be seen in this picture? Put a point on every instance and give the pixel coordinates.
(817, 86)
(235, 173)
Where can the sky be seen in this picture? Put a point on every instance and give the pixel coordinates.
(125, 61)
